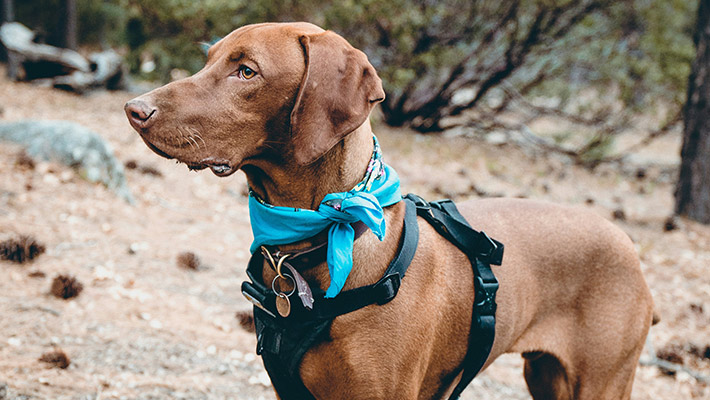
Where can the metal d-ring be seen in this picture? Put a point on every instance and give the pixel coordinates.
(273, 288)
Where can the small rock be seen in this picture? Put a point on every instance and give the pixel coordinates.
(150, 170)
(57, 358)
(497, 138)
(641, 173)
(3, 390)
(137, 247)
(102, 273)
(619, 214)
(24, 161)
(261, 379)
(670, 224)
(36, 274)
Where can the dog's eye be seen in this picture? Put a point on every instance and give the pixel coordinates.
(245, 72)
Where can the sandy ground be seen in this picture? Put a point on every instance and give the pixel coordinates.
(143, 328)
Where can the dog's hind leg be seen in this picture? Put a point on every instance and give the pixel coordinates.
(601, 376)
(546, 377)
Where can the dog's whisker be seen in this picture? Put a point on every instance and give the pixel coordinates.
(202, 140)
(192, 140)
(196, 135)
(185, 138)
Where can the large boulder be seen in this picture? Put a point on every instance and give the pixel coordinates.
(71, 144)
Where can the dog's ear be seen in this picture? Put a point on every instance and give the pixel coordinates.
(337, 93)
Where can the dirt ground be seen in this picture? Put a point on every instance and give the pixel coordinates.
(143, 328)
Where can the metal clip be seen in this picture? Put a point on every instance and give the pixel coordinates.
(275, 265)
(485, 296)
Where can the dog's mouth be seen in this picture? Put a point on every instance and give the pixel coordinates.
(219, 167)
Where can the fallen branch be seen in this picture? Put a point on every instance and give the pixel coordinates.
(663, 364)
(654, 361)
(18, 39)
(61, 68)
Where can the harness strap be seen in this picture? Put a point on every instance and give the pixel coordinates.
(282, 348)
(481, 251)
(385, 289)
(282, 342)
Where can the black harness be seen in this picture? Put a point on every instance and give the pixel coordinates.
(282, 342)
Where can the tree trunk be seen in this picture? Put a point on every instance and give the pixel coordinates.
(70, 25)
(8, 12)
(693, 190)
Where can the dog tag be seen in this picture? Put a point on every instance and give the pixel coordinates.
(304, 291)
(283, 305)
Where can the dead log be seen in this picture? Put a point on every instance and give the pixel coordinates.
(57, 67)
(37, 60)
(106, 71)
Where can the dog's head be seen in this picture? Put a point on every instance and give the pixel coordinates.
(281, 92)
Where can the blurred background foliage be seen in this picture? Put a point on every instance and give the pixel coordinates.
(597, 63)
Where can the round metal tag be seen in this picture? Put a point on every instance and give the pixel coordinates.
(283, 305)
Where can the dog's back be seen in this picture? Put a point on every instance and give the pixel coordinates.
(572, 297)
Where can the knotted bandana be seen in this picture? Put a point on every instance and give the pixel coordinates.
(275, 225)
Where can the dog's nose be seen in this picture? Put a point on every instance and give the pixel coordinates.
(140, 114)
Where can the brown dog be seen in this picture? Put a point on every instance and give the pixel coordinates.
(288, 104)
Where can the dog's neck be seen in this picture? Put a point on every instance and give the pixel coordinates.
(305, 187)
(287, 184)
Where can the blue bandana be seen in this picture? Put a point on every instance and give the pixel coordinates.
(274, 225)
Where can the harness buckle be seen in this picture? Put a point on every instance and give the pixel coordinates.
(420, 203)
(388, 288)
(424, 208)
(492, 256)
(256, 297)
(485, 297)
